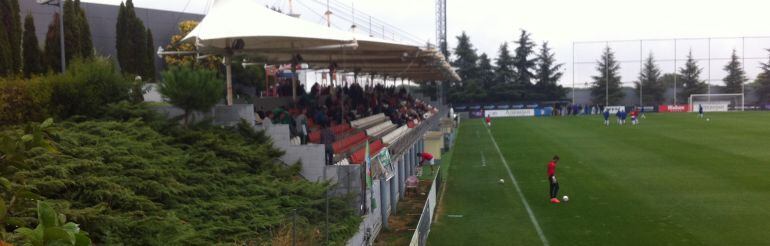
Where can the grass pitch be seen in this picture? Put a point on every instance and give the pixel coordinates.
(673, 180)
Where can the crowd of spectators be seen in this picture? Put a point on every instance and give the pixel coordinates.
(325, 106)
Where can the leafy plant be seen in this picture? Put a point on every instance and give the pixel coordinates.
(87, 87)
(53, 229)
(191, 89)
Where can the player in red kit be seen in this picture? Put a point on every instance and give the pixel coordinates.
(554, 185)
(489, 120)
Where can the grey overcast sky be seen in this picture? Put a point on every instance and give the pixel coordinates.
(562, 22)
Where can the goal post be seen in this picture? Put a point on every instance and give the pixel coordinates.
(717, 102)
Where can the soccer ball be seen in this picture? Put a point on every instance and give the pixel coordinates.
(565, 198)
(501, 181)
(708, 119)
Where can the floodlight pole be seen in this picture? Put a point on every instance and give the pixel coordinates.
(675, 72)
(573, 72)
(607, 77)
(708, 83)
(743, 85)
(641, 62)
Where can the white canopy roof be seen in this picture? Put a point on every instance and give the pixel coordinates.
(246, 28)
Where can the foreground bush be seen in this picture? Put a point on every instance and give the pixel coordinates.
(128, 183)
(86, 88)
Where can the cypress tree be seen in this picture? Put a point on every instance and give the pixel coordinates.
(86, 43)
(735, 75)
(120, 36)
(150, 70)
(606, 85)
(10, 18)
(521, 61)
(651, 83)
(32, 57)
(690, 78)
(71, 31)
(467, 58)
(52, 56)
(131, 41)
(6, 64)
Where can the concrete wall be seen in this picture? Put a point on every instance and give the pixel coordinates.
(220, 114)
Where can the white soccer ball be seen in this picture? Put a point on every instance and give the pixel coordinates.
(501, 181)
(565, 198)
(708, 119)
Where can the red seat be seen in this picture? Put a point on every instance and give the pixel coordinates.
(350, 141)
(315, 136)
(359, 156)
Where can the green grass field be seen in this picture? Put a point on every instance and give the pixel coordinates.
(673, 180)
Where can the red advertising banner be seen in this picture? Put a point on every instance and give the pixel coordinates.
(675, 108)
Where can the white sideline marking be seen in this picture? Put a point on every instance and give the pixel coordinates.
(518, 190)
(483, 160)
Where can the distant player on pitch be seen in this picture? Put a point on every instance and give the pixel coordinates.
(554, 185)
(489, 121)
(606, 115)
(700, 111)
(634, 120)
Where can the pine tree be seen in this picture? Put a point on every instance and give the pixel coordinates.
(606, 85)
(150, 70)
(763, 82)
(690, 78)
(52, 55)
(735, 75)
(86, 43)
(466, 58)
(10, 18)
(72, 37)
(652, 87)
(504, 66)
(32, 57)
(521, 61)
(486, 72)
(548, 75)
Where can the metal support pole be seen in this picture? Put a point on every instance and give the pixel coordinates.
(641, 62)
(293, 227)
(229, 77)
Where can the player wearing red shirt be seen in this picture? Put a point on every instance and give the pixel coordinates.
(554, 185)
(489, 120)
(425, 156)
(634, 118)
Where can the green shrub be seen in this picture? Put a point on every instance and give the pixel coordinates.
(191, 89)
(24, 100)
(53, 229)
(87, 87)
(128, 183)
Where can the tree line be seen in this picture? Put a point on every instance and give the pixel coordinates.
(524, 75)
(606, 84)
(21, 55)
